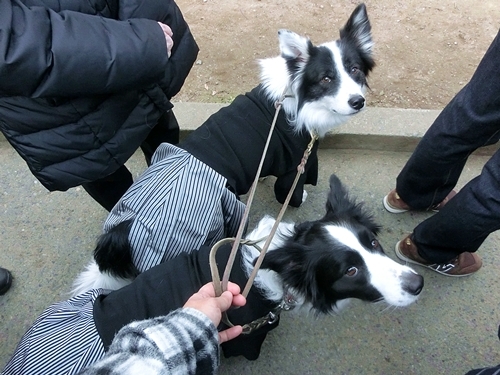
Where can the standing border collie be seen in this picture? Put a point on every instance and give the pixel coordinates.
(188, 197)
(319, 264)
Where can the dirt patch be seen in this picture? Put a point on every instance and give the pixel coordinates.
(425, 51)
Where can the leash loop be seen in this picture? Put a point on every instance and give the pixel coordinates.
(213, 262)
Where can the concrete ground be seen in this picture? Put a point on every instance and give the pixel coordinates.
(47, 238)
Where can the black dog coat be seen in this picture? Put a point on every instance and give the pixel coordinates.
(168, 286)
(236, 136)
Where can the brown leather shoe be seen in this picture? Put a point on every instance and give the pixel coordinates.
(394, 204)
(463, 265)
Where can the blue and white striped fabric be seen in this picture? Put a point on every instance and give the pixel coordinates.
(177, 205)
(63, 340)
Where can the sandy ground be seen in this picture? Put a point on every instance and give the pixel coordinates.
(425, 51)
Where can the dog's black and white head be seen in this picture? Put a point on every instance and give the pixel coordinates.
(324, 84)
(325, 263)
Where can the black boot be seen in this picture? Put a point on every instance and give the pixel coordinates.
(5, 281)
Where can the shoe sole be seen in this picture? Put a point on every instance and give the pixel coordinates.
(394, 210)
(403, 257)
(391, 209)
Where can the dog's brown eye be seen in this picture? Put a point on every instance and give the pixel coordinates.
(326, 80)
(351, 271)
(375, 244)
(354, 69)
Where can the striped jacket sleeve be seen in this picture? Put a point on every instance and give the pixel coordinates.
(183, 342)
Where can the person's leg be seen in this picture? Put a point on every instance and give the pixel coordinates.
(464, 223)
(166, 130)
(471, 120)
(107, 191)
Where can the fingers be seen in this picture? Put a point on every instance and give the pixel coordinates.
(230, 297)
(230, 334)
(166, 29)
(225, 301)
(233, 288)
(167, 32)
(207, 290)
(239, 300)
(213, 307)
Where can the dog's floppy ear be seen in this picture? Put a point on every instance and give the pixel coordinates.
(302, 227)
(301, 272)
(293, 46)
(339, 204)
(284, 261)
(358, 30)
(338, 200)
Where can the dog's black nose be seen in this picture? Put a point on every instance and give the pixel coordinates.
(413, 283)
(357, 102)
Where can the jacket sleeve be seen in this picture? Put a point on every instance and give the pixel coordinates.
(183, 342)
(44, 53)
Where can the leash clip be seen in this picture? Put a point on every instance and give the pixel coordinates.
(272, 318)
(288, 303)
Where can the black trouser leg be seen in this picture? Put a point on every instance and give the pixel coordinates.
(466, 220)
(107, 191)
(471, 120)
(166, 130)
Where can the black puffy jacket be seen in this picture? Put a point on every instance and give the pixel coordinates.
(83, 82)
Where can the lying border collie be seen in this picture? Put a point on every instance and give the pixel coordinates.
(185, 198)
(318, 264)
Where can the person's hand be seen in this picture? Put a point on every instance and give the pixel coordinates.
(167, 31)
(213, 307)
